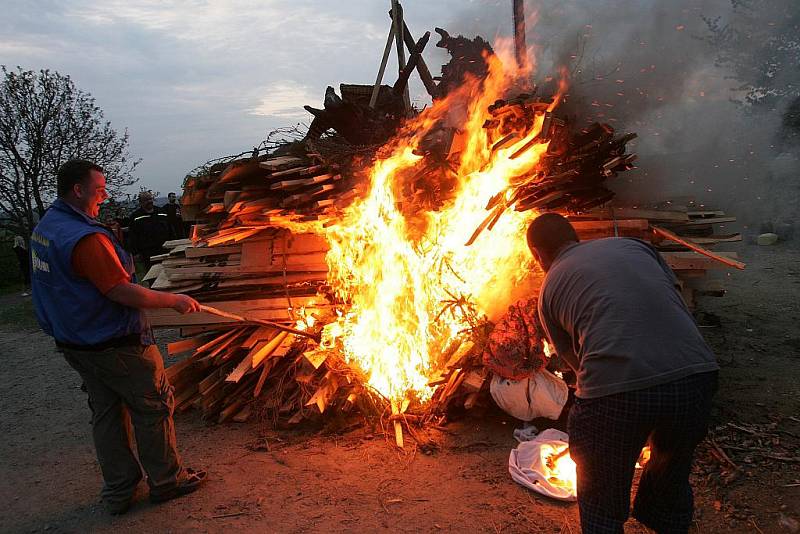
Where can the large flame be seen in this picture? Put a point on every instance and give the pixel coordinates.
(408, 282)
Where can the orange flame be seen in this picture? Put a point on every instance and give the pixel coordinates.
(397, 275)
(559, 468)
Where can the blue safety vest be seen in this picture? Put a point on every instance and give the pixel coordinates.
(68, 307)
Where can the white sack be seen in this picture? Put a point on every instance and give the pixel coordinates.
(527, 466)
(542, 395)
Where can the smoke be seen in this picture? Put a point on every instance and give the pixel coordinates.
(645, 66)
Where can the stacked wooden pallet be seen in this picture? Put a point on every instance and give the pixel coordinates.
(277, 277)
(686, 238)
(270, 279)
(240, 199)
(270, 263)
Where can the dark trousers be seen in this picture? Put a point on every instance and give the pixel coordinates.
(128, 385)
(606, 436)
(24, 265)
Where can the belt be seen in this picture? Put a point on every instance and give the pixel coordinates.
(124, 341)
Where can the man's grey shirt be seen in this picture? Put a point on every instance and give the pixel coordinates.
(613, 312)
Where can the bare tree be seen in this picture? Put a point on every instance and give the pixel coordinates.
(46, 120)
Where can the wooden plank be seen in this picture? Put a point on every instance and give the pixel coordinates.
(215, 342)
(285, 185)
(176, 368)
(170, 318)
(155, 270)
(697, 214)
(663, 232)
(704, 221)
(316, 357)
(268, 349)
(281, 162)
(226, 348)
(176, 243)
(635, 213)
(261, 333)
(210, 382)
(200, 252)
(299, 170)
(474, 380)
(277, 279)
(463, 351)
(185, 345)
(243, 415)
(291, 262)
(322, 396)
(189, 331)
(262, 378)
(714, 239)
(694, 261)
(622, 228)
(230, 410)
(240, 370)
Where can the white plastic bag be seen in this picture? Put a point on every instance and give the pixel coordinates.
(542, 395)
(527, 465)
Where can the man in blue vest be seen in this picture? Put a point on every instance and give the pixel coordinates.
(86, 297)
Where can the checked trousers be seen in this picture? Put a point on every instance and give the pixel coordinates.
(607, 434)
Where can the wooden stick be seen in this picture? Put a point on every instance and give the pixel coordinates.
(398, 427)
(717, 451)
(422, 67)
(277, 326)
(519, 34)
(397, 15)
(697, 248)
(376, 88)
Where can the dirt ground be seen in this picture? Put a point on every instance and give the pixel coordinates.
(358, 482)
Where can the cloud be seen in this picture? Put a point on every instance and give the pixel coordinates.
(285, 99)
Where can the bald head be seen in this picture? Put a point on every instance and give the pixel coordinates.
(547, 235)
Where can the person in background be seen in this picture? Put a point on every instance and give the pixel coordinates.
(86, 297)
(148, 230)
(21, 250)
(612, 311)
(173, 210)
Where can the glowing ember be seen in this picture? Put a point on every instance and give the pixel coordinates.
(409, 281)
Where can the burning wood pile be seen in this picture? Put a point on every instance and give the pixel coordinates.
(365, 267)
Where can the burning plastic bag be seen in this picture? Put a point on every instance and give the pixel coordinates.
(544, 466)
(540, 395)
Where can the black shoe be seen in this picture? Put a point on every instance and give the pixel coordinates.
(117, 508)
(194, 479)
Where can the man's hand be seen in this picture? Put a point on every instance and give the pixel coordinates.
(185, 304)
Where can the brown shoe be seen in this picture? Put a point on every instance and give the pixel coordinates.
(194, 479)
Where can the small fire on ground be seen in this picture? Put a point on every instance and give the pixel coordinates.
(560, 468)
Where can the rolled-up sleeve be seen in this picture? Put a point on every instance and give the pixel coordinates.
(95, 259)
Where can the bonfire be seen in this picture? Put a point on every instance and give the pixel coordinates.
(364, 267)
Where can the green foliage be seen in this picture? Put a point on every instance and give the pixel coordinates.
(760, 45)
(11, 279)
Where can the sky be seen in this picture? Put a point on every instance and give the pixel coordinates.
(195, 80)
